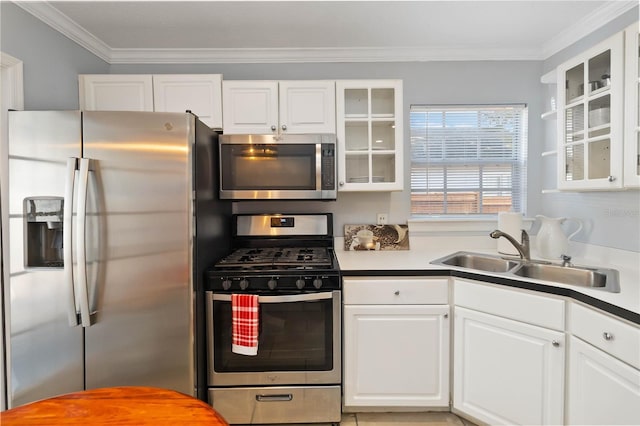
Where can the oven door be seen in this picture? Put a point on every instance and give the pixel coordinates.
(299, 341)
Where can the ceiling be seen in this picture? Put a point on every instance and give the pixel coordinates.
(296, 31)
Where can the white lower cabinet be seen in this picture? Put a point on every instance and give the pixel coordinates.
(506, 368)
(396, 345)
(602, 389)
(604, 369)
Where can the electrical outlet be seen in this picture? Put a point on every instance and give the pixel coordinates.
(382, 218)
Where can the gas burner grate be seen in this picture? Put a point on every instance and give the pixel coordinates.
(278, 258)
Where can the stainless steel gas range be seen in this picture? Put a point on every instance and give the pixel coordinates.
(289, 263)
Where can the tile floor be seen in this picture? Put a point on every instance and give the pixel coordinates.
(398, 419)
(404, 419)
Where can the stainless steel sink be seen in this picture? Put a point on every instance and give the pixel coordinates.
(606, 279)
(598, 278)
(477, 261)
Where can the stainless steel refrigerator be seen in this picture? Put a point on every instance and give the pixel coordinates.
(113, 218)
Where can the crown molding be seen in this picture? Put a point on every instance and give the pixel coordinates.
(295, 55)
(63, 24)
(66, 26)
(587, 25)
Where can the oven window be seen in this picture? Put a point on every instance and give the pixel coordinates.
(269, 167)
(295, 336)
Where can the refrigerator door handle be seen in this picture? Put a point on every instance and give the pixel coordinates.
(81, 246)
(67, 243)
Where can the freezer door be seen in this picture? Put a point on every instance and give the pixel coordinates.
(45, 353)
(139, 250)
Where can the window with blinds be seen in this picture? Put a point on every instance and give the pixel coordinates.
(468, 159)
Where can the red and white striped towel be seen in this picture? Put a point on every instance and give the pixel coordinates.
(245, 324)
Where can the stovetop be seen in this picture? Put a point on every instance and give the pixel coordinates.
(277, 258)
(278, 253)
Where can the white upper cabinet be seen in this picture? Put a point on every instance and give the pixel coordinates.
(590, 118)
(272, 107)
(308, 106)
(198, 93)
(369, 131)
(632, 108)
(116, 92)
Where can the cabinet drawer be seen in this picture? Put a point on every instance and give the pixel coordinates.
(613, 336)
(517, 305)
(396, 291)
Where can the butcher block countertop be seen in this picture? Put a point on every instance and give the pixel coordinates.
(424, 249)
(131, 405)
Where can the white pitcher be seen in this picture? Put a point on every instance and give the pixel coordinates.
(551, 240)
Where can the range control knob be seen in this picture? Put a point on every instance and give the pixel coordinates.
(317, 283)
(272, 284)
(244, 283)
(300, 283)
(226, 284)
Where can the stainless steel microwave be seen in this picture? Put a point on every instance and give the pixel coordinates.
(285, 167)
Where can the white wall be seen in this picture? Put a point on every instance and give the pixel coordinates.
(52, 62)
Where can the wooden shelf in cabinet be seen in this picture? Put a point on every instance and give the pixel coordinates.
(597, 128)
(599, 91)
(574, 102)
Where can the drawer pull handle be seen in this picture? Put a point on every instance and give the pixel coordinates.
(607, 336)
(397, 293)
(274, 398)
(555, 343)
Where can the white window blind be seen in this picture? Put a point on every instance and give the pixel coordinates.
(468, 159)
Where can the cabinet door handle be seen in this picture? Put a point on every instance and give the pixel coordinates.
(284, 127)
(611, 178)
(397, 293)
(273, 128)
(446, 316)
(555, 343)
(607, 336)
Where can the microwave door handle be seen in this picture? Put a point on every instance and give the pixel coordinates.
(307, 297)
(81, 241)
(67, 236)
(319, 166)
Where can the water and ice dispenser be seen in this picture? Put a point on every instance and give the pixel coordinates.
(43, 233)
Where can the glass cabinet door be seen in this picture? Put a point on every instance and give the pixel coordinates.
(632, 108)
(369, 135)
(591, 141)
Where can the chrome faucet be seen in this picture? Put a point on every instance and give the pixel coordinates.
(523, 248)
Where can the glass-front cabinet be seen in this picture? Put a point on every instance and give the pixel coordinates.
(632, 108)
(369, 130)
(590, 125)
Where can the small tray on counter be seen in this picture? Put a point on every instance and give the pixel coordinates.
(376, 237)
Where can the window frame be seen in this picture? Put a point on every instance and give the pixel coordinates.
(513, 161)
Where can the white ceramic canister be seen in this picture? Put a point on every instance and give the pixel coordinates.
(510, 223)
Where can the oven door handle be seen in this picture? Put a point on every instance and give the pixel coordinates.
(307, 297)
